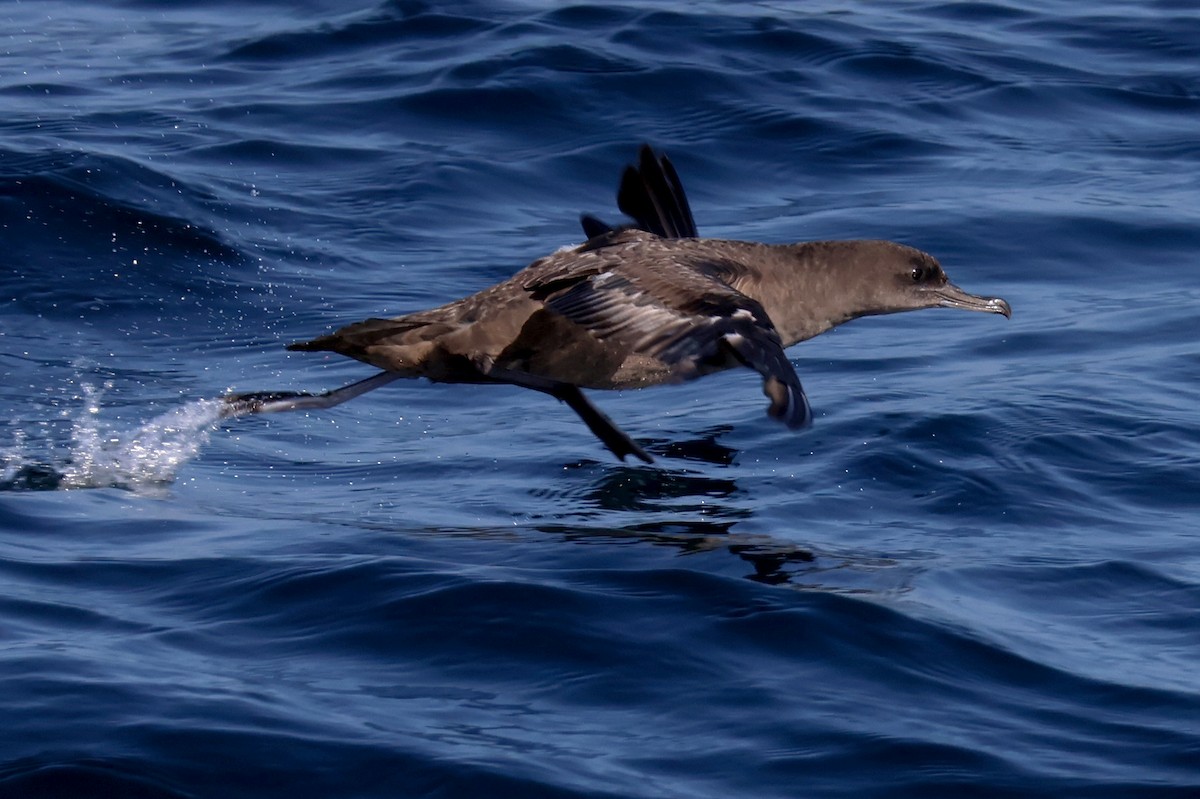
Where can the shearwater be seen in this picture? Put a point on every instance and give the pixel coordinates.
(640, 305)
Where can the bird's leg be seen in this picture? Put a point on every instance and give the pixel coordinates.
(601, 426)
(609, 434)
(278, 401)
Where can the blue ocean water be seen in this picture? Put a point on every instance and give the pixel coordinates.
(978, 574)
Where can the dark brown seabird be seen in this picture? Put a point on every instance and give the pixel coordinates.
(640, 305)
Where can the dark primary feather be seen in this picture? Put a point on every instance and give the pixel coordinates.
(593, 227)
(652, 194)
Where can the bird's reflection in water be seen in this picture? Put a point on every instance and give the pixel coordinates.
(679, 504)
(703, 449)
(633, 489)
(774, 561)
(665, 486)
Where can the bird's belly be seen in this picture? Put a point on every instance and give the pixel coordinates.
(594, 367)
(635, 371)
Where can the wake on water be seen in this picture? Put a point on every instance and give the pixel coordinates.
(99, 454)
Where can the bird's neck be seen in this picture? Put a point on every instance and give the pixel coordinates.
(804, 289)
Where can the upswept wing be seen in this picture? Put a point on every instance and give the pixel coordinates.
(652, 194)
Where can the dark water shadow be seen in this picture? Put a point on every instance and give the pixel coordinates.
(702, 449)
(666, 483)
(652, 489)
(774, 561)
(32, 477)
(680, 502)
(97, 777)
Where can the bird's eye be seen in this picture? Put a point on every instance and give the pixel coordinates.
(918, 274)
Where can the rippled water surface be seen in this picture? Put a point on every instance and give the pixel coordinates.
(978, 574)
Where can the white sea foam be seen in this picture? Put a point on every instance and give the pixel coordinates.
(102, 454)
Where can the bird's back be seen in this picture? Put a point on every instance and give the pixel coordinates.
(511, 326)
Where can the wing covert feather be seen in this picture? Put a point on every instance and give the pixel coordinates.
(688, 319)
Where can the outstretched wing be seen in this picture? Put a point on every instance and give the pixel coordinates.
(688, 320)
(653, 196)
